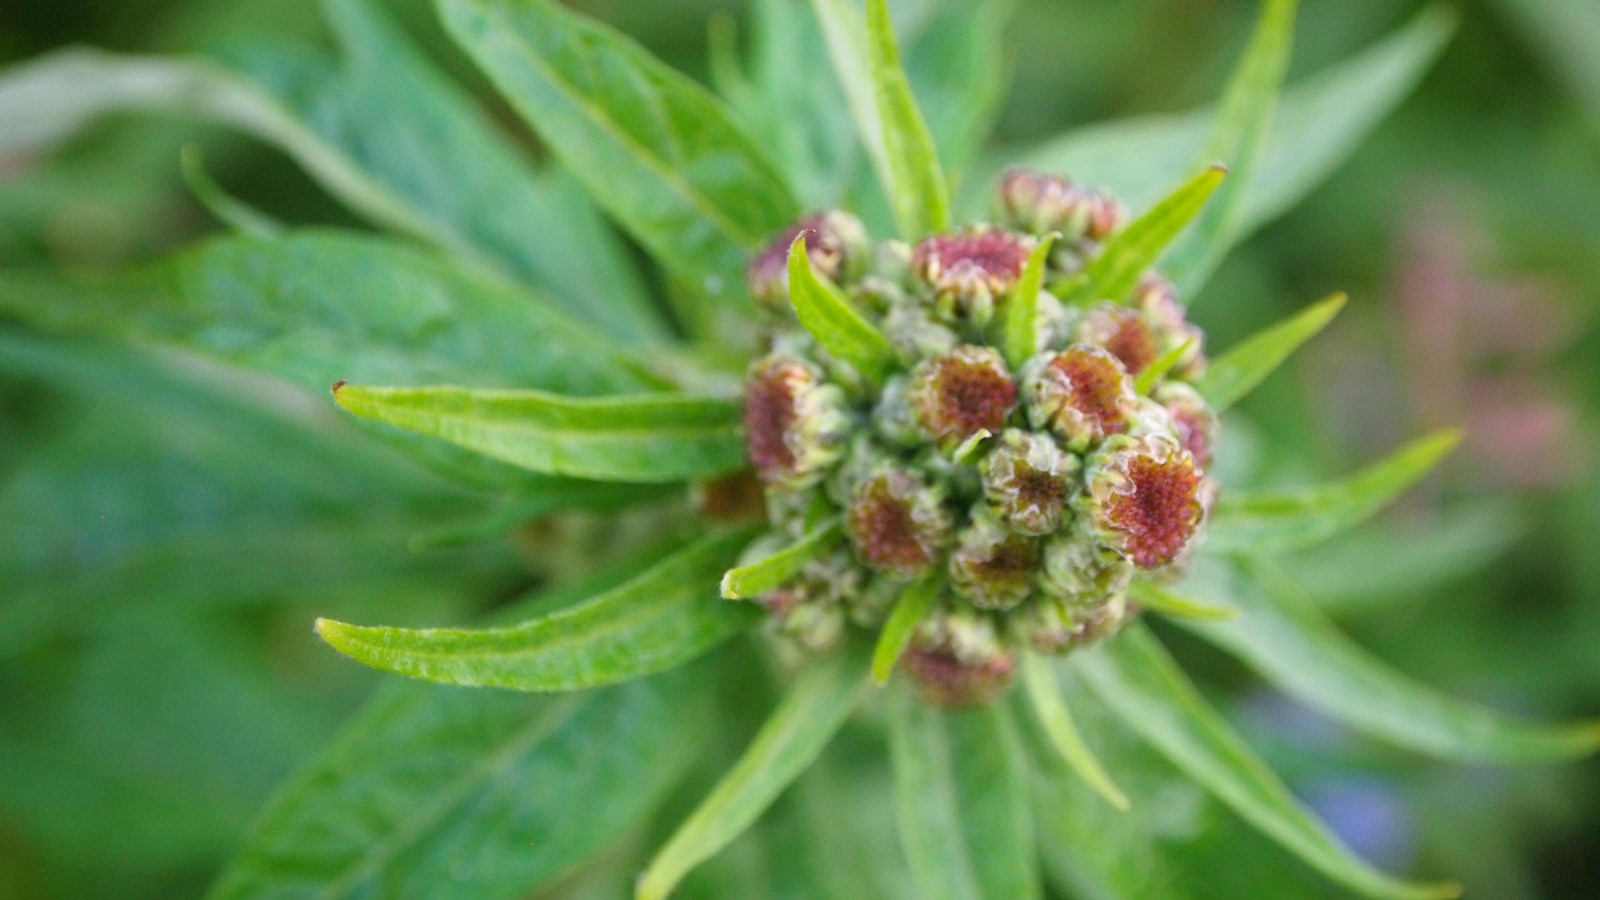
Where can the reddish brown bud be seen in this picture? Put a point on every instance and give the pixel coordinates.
(970, 271)
(1039, 203)
(957, 659)
(956, 395)
(795, 423)
(1158, 300)
(836, 242)
(1083, 394)
(1192, 420)
(992, 566)
(1124, 333)
(1028, 480)
(1143, 499)
(897, 522)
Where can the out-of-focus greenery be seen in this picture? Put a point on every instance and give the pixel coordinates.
(145, 715)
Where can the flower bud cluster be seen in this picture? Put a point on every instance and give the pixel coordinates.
(1032, 493)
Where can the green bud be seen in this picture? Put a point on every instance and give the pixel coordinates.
(1028, 481)
(991, 565)
(1052, 625)
(958, 659)
(1080, 572)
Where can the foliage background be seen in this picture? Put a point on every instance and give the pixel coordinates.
(148, 704)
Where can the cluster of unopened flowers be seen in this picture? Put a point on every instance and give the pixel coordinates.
(1029, 495)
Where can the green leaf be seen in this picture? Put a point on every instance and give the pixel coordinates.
(916, 185)
(1320, 121)
(1133, 250)
(1263, 521)
(1146, 382)
(844, 30)
(654, 149)
(1050, 708)
(759, 577)
(1134, 676)
(1022, 307)
(662, 618)
(314, 307)
(834, 321)
(434, 792)
(1236, 373)
(909, 609)
(1156, 597)
(645, 438)
(961, 797)
(1294, 646)
(1566, 31)
(230, 210)
(1238, 141)
(790, 741)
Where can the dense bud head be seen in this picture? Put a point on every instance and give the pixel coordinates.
(1028, 481)
(1040, 203)
(1030, 494)
(1123, 332)
(897, 522)
(1082, 394)
(836, 242)
(970, 271)
(1194, 423)
(958, 659)
(795, 423)
(993, 566)
(1142, 498)
(960, 393)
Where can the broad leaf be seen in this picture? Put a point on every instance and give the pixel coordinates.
(1262, 521)
(1022, 307)
(775, 570)
(1283, 637)
(918, 192)
(1567, 31)
(662, 618)
(645, 438)
(961, 796)
(1050, 708)
(816, 706)
(1236, 373)
(1136, 678)
(909, 609)
(834, 321)
(315, 307)
(1319, 123)
(1133, 250)
(1238, 140)
(230, 210)
(654, 149)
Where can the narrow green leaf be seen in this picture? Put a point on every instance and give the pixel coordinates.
(790, 741)
(834, 321)
(961, 797)
(917, 190)
(759, 577)
(1236, 373)
(1132, 251)
(661, 618)
(1050, 707)
(1135, 677)
(1238, 140)
(655, 150)
(1022, 307)
(913, 603)
(1156, 597)
(1261, 521)
(1146, 382)
(1566, 32)
(1321, 120)
(845, 30)
(230, 210)
(645, 438)
(1294, 646)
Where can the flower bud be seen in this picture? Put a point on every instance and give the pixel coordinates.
(1052, 625)
(956, 395)
(1040, 203)
(897, 522)
(914, 333)
(1082, 394)
(795, 423)
(991, 565)
(1080, 572)
(1193, 422)
(1028, 480)
(836, 242)
(1123, 332)
(1142, 498)
(1158, 300)
(970, 271)
(958, 659)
